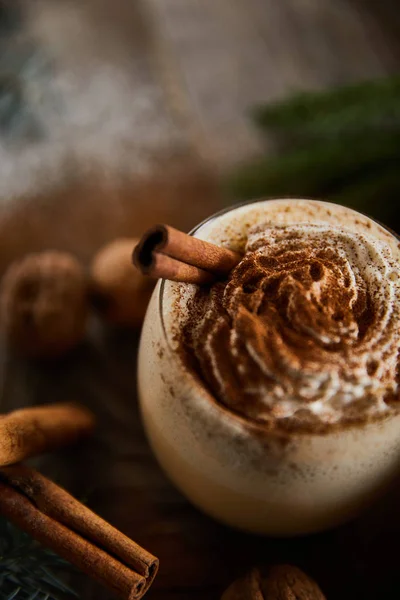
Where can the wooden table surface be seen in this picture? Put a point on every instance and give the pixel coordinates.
(119, 478)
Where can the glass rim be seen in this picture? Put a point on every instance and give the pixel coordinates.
(237, 205)
(231, 415)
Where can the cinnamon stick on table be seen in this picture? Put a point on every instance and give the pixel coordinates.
(165, 252)
(56, 519)
(30, 431)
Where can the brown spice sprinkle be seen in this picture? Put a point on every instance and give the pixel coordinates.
(305, 333)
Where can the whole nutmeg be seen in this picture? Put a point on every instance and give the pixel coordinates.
(119, 292)
(43, 304)
(279, 582)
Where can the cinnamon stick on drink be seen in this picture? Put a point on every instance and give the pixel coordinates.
(56, 519)
(167, 253)
(30, 431)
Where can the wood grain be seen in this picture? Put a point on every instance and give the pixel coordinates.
(86, 214)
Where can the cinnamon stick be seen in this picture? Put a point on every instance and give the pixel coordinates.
(207, 261)
(166, 267)
(56, 519)
(30, 431)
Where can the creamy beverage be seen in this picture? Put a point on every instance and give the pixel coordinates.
(272, 397)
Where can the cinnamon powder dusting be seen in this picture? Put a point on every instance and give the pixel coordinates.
(305, 333)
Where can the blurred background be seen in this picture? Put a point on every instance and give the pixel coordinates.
(114, 115)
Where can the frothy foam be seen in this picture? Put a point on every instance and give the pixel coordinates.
(306, 331)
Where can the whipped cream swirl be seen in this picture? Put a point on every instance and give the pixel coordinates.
(306, 331)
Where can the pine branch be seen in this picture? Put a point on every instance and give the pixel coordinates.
(321, 170)
(364, 108)
(342, 145)
(26, 568)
